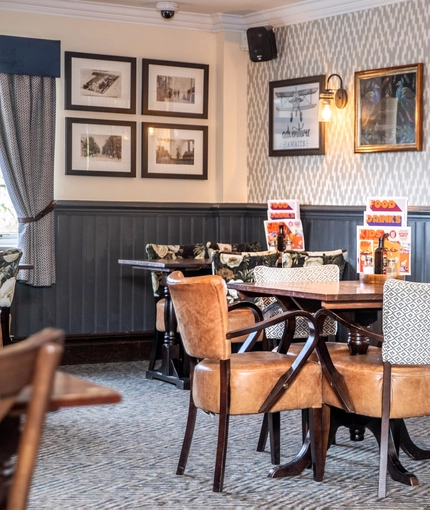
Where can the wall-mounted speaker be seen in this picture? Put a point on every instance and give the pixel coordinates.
(261, 43)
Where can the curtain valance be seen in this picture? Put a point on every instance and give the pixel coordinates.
(33, 57)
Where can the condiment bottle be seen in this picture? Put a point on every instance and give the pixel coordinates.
(281, 238)
(380, 256)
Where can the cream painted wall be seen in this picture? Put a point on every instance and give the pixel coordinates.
(227, 104)
(231, 118)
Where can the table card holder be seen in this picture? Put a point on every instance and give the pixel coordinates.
(385, 216)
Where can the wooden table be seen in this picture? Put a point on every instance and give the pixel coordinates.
(356, 301)
(174, 368)
(68, 391)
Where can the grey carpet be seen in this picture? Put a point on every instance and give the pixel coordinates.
(124, 456)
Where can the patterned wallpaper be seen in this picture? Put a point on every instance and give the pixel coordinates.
(386, 36)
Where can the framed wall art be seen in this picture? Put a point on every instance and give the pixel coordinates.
(294, 129)
(100, 83)
(175, 89)
(171, 151)
(101, 148)
(388, 109)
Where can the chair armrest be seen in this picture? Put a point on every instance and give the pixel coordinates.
(288, 378)
(247, 304)
(323, 312)
(334, 378)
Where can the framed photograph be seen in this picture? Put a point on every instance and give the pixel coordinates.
(175, 89)
(294, 129)
(388, 109)
(171, 151)
(102, 148)
(100, 83)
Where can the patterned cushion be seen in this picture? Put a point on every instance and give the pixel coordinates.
(9, 262)
(235, 247)
(240, 266)
(406, 323)
(311, 273)
(171, 251)
(292, 258)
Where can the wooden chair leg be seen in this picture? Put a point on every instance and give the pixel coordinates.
(385, 431)
(264, 434)
(224, 418)
(274, 423)
(189, 429)
(318, 442)
(271, 428)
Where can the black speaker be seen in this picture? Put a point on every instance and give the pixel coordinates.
(261, 43)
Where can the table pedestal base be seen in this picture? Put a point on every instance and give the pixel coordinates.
(358, 424)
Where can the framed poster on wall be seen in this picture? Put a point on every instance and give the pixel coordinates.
(294, 129)
(388, 109)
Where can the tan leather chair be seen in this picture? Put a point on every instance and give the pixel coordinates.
(30, 362)
(394, 383)
(235, 384)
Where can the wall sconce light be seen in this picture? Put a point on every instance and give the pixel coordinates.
(329, 98)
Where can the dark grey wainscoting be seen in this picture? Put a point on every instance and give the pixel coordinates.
(94, 295)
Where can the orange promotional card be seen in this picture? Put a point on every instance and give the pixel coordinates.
(397, 245)
(288, 209)
(293, 234)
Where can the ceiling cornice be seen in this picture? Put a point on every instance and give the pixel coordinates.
(299, 12)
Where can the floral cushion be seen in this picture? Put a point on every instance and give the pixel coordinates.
(171, 252)
(239, 267)
(9, 262)
(235, 247)
(292, 258)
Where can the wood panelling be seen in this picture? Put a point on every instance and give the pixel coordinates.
(94, 295)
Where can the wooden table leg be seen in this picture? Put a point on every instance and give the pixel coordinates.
(173, 363)
(408, 446)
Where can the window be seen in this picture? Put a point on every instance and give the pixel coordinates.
(8, 219)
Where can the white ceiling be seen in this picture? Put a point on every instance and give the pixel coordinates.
(235, 7)
(208, 15)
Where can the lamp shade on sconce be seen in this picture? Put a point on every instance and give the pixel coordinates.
(329, 98)
(325, 108)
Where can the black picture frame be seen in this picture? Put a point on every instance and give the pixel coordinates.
(175, 89)
(294, 129)
(100, 83)
(174, 151)
(100, 148)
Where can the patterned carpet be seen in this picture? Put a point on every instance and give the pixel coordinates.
(124, 456)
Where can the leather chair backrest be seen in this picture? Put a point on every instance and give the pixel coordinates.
(201, 310)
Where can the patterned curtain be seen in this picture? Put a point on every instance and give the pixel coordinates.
(27, 143)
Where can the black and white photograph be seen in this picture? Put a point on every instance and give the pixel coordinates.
(100, 148)
(176, 89)
(100, 83)
(174, 151)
